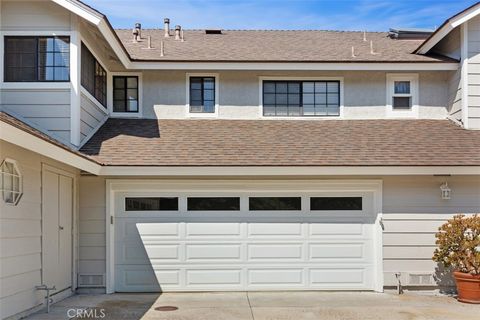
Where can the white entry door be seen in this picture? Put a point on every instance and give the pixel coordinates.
(57, 212)
(214, 241)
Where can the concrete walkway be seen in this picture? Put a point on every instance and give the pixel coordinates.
(263, 306)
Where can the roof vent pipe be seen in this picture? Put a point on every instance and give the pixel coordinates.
(137, 32)
(166, 27)
(177, 32)
(149, 42)
(138, 26)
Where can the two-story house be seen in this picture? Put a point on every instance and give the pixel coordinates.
(147, 160)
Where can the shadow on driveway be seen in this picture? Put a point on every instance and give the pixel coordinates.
(263, 306)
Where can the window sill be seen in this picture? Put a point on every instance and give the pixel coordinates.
(301, 117)
(202, 114)
(35, 85)
(125, 115)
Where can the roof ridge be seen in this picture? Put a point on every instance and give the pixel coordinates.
(266, 30)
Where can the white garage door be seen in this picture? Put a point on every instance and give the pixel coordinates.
(243, 241)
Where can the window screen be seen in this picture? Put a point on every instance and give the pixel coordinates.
(125, 94)
(151, 204)
(275, 203)
(213, 203)
(37, 59)
(202, 94)
(335, 203)
(301, 98)
(94, 76)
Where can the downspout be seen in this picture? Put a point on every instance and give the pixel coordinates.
(464, 73)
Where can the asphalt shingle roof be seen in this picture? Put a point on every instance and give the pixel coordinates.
(274, 46)
(144, 142)
(13, 121)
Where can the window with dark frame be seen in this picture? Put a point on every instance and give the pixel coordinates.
(37, 59)
(335, 203)
(301, 98)
(213, 204)
(274, 203)
(151, 204)
(202, 94)
(94, 76)
(125, 94)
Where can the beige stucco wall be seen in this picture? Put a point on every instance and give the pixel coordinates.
(164, 93)
(412, 211)
(20, 234)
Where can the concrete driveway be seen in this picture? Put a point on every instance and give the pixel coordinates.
(263, 306)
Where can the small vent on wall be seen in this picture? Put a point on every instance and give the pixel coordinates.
(421, 279)
(91, 280)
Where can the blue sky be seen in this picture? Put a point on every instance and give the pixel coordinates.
(367, 15)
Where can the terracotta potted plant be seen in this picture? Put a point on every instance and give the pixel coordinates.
(458, 242)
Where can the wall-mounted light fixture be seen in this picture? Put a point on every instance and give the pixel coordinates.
(446, 191)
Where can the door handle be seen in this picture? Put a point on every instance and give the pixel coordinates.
(60, 227)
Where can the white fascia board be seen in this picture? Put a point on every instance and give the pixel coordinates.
(98, 20)
(286, 171)
(435, 39)
(30, 142)
(82, 11)
(114, 43)
(455, 22)
(349, 66)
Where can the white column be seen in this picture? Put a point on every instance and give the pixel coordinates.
(75, 58)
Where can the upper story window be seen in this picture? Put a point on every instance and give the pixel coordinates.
(37, 59)
(94, 76)
(202, 95)
(301, 98)
(125, 94)
(402, 95)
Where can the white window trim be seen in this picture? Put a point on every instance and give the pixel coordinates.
(273, 78)
(113, 114)
(30, 85)
(20, 181)
(187, 95)
(413, 112)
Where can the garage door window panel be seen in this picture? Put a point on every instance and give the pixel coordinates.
(275, 203)
(213, 204)
(336, 203)
(151, 204)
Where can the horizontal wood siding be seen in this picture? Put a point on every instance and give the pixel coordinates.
(474, 73)
(91, 117)
(49, 109)
(92, 243)
(34, 15)
(21, 235)
(413, 211)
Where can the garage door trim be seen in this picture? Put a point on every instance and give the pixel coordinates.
(187, 187)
